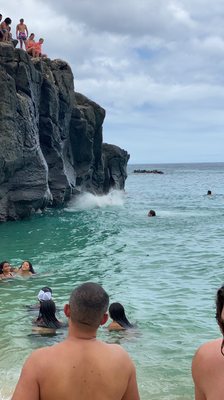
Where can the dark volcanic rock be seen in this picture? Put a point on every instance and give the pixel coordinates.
(115, 167)
(50, 137)
(146, 171)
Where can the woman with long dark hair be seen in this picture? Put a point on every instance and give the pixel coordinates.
(26, 269)
(117, 314)
(47, 317)
(5, 270)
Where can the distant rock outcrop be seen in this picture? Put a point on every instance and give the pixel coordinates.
(146, 171)
(50, 137)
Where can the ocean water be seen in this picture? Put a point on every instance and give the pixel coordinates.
(164, 270)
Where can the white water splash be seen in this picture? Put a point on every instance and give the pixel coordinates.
(88, 201)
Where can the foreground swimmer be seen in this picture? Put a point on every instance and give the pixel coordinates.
(120, 321)
(81, 367)
(208, 362)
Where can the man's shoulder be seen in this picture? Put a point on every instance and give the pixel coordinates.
(39, 358)
(45, 351)
(117, 352)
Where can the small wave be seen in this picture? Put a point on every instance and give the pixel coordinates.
(88, 200)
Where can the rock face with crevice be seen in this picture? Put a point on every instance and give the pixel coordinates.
(50, 138)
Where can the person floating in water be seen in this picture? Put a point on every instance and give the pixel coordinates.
(151, 213)
(26, 269)
(81, 366)
(5, 270)
(209, 193)
(117, 314)
(208, 362)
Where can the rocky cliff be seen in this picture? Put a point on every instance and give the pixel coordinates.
(50, 138)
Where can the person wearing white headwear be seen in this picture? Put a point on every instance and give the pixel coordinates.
(44, 294)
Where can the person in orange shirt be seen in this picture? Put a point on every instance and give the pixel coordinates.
(30, 45)
(38, 49)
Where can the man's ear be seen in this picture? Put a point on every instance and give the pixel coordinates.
(104, 319)
(67, 310)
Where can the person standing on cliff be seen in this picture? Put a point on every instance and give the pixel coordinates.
(21, 32)
(4, 29)
(81, 367)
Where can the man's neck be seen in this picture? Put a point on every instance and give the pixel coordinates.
(77, 331)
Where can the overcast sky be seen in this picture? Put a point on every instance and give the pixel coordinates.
(156, 66)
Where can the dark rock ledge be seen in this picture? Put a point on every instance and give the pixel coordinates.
(50, 138)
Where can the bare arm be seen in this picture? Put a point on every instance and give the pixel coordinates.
(17, 30)
(197, 376)
(26, 31)
(198, 394)
(27, 387)
(131, 392)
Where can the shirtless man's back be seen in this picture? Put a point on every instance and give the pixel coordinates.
(79, 368)
(208, 362)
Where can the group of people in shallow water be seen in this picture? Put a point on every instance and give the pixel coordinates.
(27, 41)
(83, 367)
(80, 366)
(47, 319)
(7, 271)
(46, 306)
(89, 368)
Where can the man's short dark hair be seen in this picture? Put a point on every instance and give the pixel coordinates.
(88, 303)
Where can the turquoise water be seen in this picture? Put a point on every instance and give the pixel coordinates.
(165, 270)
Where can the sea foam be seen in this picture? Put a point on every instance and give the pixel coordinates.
(88, 201)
